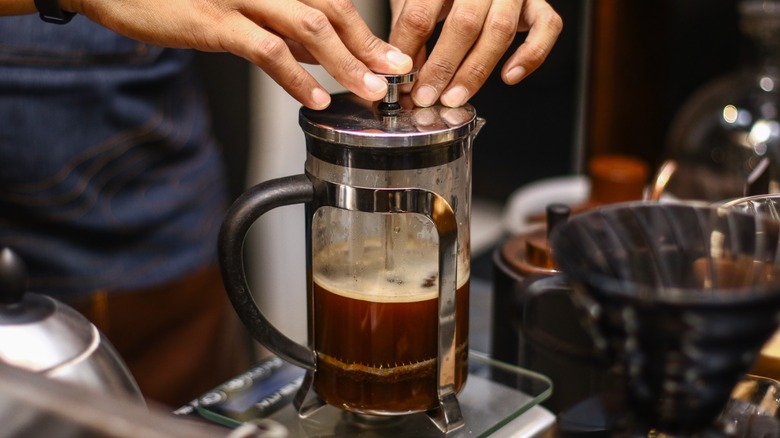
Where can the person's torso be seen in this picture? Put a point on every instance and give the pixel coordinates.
(109, 178)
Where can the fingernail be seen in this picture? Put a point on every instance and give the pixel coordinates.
(425, 96)
(374, 83)
(399, 58)
(514, 74)
(320, 98)
(455, 96)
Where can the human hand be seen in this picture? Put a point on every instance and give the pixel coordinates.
(475, 36)
(275, 35)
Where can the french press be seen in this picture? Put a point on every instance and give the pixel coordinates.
(387, 190)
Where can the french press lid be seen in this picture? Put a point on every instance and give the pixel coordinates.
(357, 127)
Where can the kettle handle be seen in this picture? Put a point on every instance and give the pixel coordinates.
(255, 202)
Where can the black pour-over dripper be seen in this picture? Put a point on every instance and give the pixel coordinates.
(681, 296)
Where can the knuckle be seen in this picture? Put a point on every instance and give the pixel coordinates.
(418, 20)
(472, 75)
(350, 66)
(314, 22)
(271, 48)
(440, 71)
(342, 5)
(296, 80)
(467, 21)
(212, 8)
(373, 44)
(534, 54)
(556, 22)
(476, 72)
(503, 28)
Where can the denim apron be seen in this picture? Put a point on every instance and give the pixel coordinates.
(109, 178)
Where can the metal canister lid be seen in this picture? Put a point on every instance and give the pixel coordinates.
(393, 122)
(37, 332)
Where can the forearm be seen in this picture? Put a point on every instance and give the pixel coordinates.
(17, 7)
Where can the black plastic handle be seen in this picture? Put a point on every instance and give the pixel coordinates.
(588, 307)
(242, 214)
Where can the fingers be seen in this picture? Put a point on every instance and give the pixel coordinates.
(545, 25)
(270, 52)
(461, 29)
(413, 24)
(474, 38)
(336, 36)
(376, 54)
(475, 35)
(313, 30)
(333, 36)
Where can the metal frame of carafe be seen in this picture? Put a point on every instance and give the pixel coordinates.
(316, 193)
(447, 416)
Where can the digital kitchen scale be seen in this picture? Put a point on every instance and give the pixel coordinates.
(495, 395)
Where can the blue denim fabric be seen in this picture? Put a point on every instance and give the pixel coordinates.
(109, 178)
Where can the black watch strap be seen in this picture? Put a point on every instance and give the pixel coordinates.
(50, 12)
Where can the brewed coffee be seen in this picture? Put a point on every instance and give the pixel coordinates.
(377, 348)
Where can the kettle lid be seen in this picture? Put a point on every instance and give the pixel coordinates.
(37, 332)
(391, 122)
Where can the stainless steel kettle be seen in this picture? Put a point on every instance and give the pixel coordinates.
(45, 336)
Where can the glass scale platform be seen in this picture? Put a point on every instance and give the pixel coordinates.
(494, 395)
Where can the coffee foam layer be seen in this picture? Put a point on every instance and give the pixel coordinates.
(372, 276)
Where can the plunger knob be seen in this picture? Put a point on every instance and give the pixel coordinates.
(389, 105)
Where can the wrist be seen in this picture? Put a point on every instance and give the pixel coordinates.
(70, 6)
